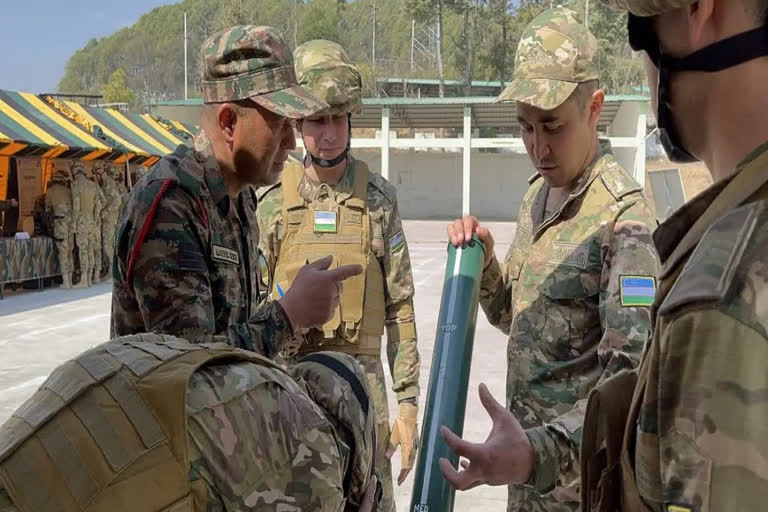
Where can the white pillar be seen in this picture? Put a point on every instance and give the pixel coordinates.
(467, 161)
(385, 142)
(640, 155)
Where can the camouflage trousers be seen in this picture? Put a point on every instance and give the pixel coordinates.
(108, 230)
(85, 251)
(65, 244)
(95, 246)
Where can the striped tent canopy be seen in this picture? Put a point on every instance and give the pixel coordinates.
(142, 137)
(182, 130)
(31, 127)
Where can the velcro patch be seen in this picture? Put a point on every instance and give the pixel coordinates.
(225, 254)
(325, 222)
(679, 508)
(397, 242)
(571, 255)
(637, 291)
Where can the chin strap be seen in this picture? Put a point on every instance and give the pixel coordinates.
(333, 162)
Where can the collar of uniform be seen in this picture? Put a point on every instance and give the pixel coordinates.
(593, 171)
(214, 179)
(711, 203)
(344, 188)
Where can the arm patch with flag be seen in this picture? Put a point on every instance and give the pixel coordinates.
(637, 291)
(397, 242)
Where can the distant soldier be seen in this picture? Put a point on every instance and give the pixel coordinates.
(58, 199)
(87, 201)
(115, 194)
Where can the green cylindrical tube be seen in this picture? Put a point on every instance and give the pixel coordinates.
(449, 376)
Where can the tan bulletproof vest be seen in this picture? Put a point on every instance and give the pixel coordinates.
(358, 323)
(107, 432)
(88, 191)
(59, 197)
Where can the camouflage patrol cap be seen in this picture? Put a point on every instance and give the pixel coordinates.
(250, 62)
(556, 53)
(648, 7)
(325, 69)
(338, 384)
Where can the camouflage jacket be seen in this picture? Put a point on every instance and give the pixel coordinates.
(573, 295)
(87, 202)
(196, 272)
(391, 249)
(701, 394)
(115, 195)
(259, 442)
(58, 199)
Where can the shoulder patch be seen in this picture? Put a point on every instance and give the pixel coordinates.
(533, 178)
(618, 182)
(382, 185)
(708, 273)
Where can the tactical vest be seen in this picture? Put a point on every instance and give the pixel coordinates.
(88, 192)
(107, 432)
(311, 232)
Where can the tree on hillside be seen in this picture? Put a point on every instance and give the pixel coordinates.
(321, 19)
(477, 41)
(116, 91)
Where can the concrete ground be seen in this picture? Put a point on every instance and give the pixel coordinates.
(40, 330)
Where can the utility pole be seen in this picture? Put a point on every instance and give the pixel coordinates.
(185, 55)
(373, 50)
(413, 36)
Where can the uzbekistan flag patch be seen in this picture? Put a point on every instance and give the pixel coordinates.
(637, 291)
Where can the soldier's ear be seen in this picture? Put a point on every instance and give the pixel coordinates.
(596, 103)
(226, 117)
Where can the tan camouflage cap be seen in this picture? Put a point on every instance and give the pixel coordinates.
(648, 7)
(325, 69)
(330, 378)
(250, 62)
(555, 54)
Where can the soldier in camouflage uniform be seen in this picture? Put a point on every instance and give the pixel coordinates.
(351, 212)
(688, 431)
(115, 194)
(58, 199)
(87, 202)
(575, 289)
(154, 423)
(96, 242)
(186, 248)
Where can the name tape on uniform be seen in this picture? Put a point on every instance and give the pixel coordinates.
(570, 255)
(637, 291)
(225, 254)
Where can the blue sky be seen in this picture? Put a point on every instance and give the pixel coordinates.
(38, 36)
